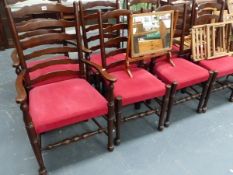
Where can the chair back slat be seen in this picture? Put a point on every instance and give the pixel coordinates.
(42, 8)
(49, 51)
(46, 39)
(44, 23)
(51, 63)
(51, 75)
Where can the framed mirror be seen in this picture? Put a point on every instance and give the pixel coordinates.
(150, 33)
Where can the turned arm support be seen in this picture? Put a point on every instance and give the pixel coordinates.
(20, 90)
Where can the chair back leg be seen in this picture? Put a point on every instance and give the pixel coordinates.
(231, 97)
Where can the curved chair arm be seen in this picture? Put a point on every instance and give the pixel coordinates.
(21, 92)
(85, 50)
(15, 58)
(101, 70)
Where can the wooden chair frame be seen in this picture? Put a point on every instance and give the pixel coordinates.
(24, 84)
(212, 41)
(118, 100)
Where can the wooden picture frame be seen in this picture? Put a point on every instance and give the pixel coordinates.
(211, 41)
(150, 34)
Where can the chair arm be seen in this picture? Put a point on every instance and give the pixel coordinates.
(101, 70)
(15, 58)
(85, 50)
(20, 90)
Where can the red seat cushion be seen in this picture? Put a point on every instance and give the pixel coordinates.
(52, 68)
(185, 73)
(174, 54)
(140, 87)
(223, 65)
(59, 104)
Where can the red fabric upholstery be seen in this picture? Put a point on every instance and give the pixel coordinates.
(59, 104)
(223, 65)
(140, 87)
(184, 73)
(175, 50)
(96, 58)
(52, 68)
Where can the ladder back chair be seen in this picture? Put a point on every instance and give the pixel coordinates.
(183, 76)
(130, 90)
(62, 102)
(211, 51)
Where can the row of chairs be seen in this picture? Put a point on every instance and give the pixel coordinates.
(56, 92)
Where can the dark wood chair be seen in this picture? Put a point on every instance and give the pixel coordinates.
(184, 76)
(222, 66)
(142, 6)
(128, 90)
(66, 97)
(207, 8)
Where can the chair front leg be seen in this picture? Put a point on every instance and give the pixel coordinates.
(213, 77)
(204, 93)
(164, 108)
(118, 111)
(34, 140)
(231, 97)
(137, 105)
(170, 104)
(111, 116)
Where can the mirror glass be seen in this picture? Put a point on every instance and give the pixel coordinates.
(151, 33)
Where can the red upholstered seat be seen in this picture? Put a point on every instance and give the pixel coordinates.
(223, 65)
(184, 72)
(140, 87)
(52, 68)
(59, 104)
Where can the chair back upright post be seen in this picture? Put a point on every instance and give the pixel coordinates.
(37, 47)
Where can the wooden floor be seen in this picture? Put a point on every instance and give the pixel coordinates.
(194, 144)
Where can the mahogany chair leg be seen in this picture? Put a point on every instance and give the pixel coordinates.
(34, 140)
(137, 105)
(118, 106)
(164, 107)
(204, 93)
(204, 106)
(171, 101)
(18, 70)
(231, 97)
(97, 82)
